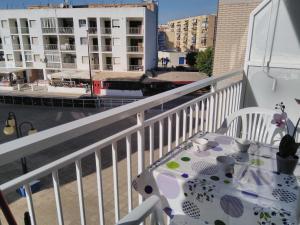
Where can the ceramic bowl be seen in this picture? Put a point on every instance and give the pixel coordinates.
(200, 144)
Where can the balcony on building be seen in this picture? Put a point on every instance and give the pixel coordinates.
(105, 24)
(50, 42)
(49, 25)
(65, 25)
(106, 44)
(93, 44)
(28, 56)
(68, 61)
(67, 43)
(13, 26)
(18, 59)
(52, 59)
(26, 42)
(24, 26)
(94, 58)
(16, 42)
(107, 62)
(135, 63)
(92, 26)
(135, 45)
(135, 26)
(2, 59)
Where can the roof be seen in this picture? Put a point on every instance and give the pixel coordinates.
(10, 70)
(103, 76)
(176, 76)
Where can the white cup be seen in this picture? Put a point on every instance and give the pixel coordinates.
(226, 163)
(201, 144)
(242, 144)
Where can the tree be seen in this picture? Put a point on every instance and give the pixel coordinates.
(191, 58)
(204, 61)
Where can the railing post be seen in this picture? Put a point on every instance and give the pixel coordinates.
(211, 111)
(141, 145)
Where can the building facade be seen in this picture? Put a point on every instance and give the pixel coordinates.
(191, 34)
(46, 39)
(231, 34)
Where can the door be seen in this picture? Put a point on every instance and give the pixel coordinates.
(96, 87)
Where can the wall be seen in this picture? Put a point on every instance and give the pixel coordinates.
(231, 34)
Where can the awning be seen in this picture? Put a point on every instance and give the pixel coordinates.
(10, 70)
(71, 74)
(118, 76)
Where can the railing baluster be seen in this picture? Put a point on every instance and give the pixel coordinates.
(116, 181)
(202, 115)
(207, 114)
(55, 179)
(141, 145)
(220, 120)
(161, 137)
(170, 132)
(30, 204)
(177, 128)
(191, 121)
(128, 155)
(151, 143)
(99, 186)
(80, 192)
(216, 109)
(197, 118)
(184, 125)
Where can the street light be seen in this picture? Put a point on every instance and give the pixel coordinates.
(11, 127)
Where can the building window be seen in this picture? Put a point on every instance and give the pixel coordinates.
(36, 57)
(116, 60)
(116, 23)
(4, 23)
(34, 40)
(82, 23)
(116, 41)
(32, 23)
(83, 40)
(9, 57)
(85, 59)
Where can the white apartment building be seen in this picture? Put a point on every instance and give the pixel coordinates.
(44, 39)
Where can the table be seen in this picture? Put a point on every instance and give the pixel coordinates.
(193, 190)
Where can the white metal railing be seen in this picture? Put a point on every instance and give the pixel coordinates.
(25, 30)
(204, 113)
(27, 46)
(51, 47)
(94, 48)
(67, 47)
(66, 30)
(52, 65)
(19, 64)
(48, 30)
(92, 30)
(135, 68)
(106, 30)
(106, 48)
(107, 67)
(16, 46)
(135, 30)
(69, 65)
(135, 48)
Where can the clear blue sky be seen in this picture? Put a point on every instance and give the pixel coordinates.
(169, 9)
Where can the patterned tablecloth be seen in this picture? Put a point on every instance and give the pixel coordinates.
(193, 190)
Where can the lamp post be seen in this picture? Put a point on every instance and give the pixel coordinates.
(90, 69)
(12, 126)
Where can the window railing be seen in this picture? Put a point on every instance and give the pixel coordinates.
(27, 46)
(48, 30)
(135, 30)
(69, 65)
(19, 64)
(29, 64)
(106, 48)
(108, 67)
(201, 114)
(67, 47)
(95, 66)
(106, 30)
(13, 30)
(136, 68)
(135, 48)
(28, 58)
(92, 30)
(52, 65)
(25, 30)
(66, 30)
(16, 46)
(51, 47)
(94, 48)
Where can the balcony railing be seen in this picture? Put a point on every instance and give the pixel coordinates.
(51, 47)
(28, 58)
(107, 67)
(106, 30)
(69, 65)
(95, 66)
(94, 48)
(136, 68)
(67, 47)
(27, 46)
(48, 30)
(29, 64)
(135, 30)
(25, 30)
(2, 64)
(14, 30)
(135, 48)
(52, 65)
(66, 30)
(106, 48)
(19, 64)
(92, 30)
(16, 46)
(201, 114)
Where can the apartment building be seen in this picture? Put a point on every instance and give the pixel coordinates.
(191, 34)
(231, 34)
(41, 40)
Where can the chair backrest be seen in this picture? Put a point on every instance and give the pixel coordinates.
(255, 124)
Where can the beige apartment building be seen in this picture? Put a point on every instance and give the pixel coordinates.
(192, 33)
(232, 34)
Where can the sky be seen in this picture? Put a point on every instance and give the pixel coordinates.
(168, 9)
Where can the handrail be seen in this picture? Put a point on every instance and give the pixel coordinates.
(16, 149)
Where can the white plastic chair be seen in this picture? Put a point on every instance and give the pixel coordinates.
(254, 124)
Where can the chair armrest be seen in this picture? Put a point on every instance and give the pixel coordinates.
(139, 214)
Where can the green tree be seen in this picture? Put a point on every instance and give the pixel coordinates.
(191, 58)
(204, 61)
